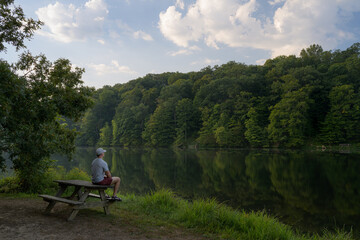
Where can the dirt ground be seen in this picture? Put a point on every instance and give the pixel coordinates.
(24, 219)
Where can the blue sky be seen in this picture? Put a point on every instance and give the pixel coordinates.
(121, 40)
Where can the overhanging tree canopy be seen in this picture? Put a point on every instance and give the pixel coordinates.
(35, 95)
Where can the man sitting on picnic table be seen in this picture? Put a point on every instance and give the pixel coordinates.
(101, 174)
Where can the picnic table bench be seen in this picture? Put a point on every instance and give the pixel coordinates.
(77, 200)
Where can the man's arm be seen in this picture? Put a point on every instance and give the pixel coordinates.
(107, 173)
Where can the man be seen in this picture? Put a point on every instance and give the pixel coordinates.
(101, 174)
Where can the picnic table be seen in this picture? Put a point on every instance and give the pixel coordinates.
(77, 200)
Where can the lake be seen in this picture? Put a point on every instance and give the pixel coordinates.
(308, 190)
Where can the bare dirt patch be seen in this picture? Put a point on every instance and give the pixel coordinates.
(23, 218)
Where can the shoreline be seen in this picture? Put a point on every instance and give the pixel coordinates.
(204, 218)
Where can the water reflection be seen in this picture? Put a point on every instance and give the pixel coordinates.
(309, 190)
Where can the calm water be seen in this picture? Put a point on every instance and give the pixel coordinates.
(308, 190)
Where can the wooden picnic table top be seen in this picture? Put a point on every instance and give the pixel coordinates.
(82, 183)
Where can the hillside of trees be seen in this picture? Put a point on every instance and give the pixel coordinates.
(287, 102)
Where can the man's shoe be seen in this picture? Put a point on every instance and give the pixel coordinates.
(116, 198)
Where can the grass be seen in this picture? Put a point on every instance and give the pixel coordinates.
(214, 219)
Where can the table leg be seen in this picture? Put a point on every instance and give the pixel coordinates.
(58, 194)
(76, 192)
(103, 199)
(82, 199)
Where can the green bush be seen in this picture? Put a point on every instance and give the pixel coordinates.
(45, 182)
(77, 174)
(9, 185)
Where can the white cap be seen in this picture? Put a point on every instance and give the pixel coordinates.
(100, 151)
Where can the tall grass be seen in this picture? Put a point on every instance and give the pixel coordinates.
(211, 217)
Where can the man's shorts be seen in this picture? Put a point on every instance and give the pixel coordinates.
(106, 181)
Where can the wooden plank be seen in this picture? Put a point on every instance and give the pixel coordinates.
(52, 203)
(107, 197)
(94, 195)
(76, 192)
(60, 199)
(82, 183)
(95, 204)
(103, 198)
(82, 200)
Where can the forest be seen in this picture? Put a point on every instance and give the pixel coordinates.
(288, 102)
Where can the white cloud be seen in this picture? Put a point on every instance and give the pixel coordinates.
(185, 51)
(294, 25)
(206, 61)
(194, 48)
(113, 68)
(180, 52)
(135, 34)
(67, 23)
(211, 61)
(180, 4)
(275, 2)
(142, 35)
(101, 41)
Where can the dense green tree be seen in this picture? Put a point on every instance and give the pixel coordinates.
(160, 129)
(105, 135)
(283, 103)
(187, 121)
(206, 133)
(289, 121)
(342, 122)
(33, 105)
(31, 127)
(256, 132)
(312, 55)
(95, 119)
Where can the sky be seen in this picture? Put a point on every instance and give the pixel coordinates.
(120, 40)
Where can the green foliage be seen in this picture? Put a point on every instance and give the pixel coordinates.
(289, 121)
(160, 129)
(44, 181)
(100, 114)
(32, 127)
(342, 121)
(33, 106)
(77, 174)
(256, 133)
(9, 185)
(287, 102)
(14, 26)
(187, 121)
(105, 135)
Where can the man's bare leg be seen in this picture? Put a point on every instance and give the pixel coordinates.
(116, 182)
